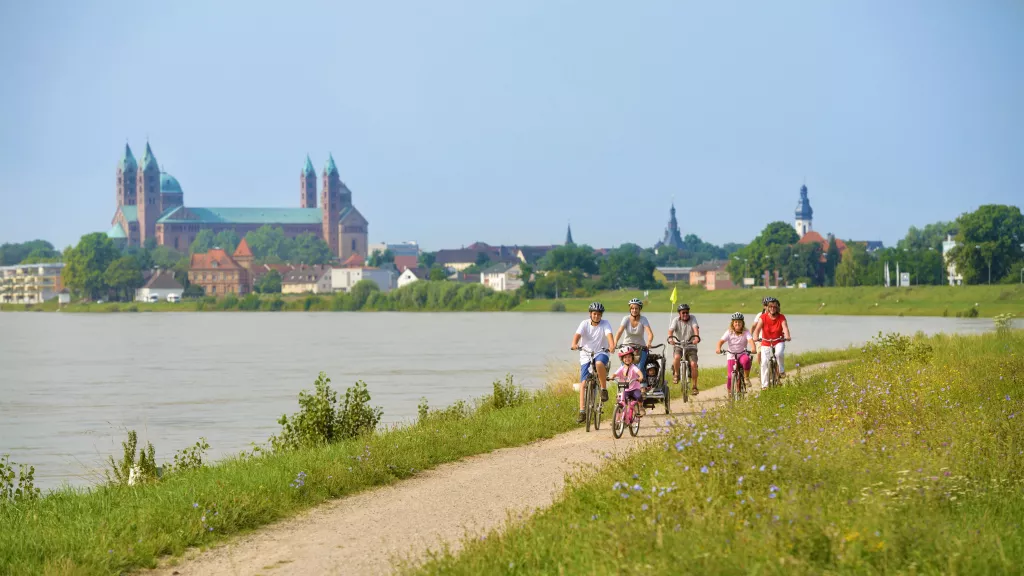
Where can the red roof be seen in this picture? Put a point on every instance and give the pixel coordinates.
(215, 258)
(813, 236)
(403, 262)
(243, 250)
(353, 261)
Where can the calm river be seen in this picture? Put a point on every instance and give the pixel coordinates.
(71, 384)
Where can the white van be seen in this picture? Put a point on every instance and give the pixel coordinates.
(154, 298)
(173, 298)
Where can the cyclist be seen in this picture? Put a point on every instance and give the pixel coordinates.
(592, 334)
(636, 327)
(685, 332)
(774, 331)
(740, 345)
(754, 327)
(630, 374)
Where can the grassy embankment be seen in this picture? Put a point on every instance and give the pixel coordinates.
(110, 529)
(913, 463)
(863, 300)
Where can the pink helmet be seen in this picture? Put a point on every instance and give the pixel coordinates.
(627, 351)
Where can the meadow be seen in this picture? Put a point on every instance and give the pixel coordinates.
(909, 460)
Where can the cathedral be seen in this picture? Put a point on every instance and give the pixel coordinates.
(151, 204)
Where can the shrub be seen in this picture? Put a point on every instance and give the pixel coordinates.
(320, 420)
(250, 302)
(16, 486)
(896, 348)
(228, 303)
(457, 411)
(190, 458)
(507, 394)
(971, 313)
(274, 304)
(1003, 322)
(132, 468)
(558, 306)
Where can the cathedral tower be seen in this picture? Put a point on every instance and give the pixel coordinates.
(127, 170)
(147, 196)
(803, 213)
(307, 186)
(331, 204)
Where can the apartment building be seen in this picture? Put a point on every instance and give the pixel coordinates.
(30, 283)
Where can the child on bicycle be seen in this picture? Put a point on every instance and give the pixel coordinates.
(629, 373)
(739, 346)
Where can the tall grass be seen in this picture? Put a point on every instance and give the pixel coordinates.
(910, 461)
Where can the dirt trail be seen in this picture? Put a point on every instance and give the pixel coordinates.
(366, 532)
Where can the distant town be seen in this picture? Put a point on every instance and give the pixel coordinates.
(161, 249)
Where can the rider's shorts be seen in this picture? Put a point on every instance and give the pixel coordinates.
(585, 368)
(633, 394)
(689, 354)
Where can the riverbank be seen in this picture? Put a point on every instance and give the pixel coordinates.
(908, 461)
(952, 301)
(111, 529)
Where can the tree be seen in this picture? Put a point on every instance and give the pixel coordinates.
(426, 259)
(853, 265)
(270, 283)
(832, 257)
(14, 253)
(203, 242)
(308, 248)
(41, 255)
(988, 243)
(378, 258)
(626, 267)
(437, 273)
(764, 252)
(227, 240)
(268, 244)
(931, 236)
(483, 260)
(570, 257)
(124, 276)
(86, 263)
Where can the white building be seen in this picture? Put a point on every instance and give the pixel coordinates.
(161, 285)
(344, 279)
(951, 275)
(410, 275)
(315, 279)
(30, 283)
(400, 249)
(502, 277)
(803, 213)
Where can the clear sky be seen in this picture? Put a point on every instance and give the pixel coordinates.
(501, 121)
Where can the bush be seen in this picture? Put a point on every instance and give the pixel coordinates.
(558, 306)
(16, 486)
(457, 411)
(133, 468)
(1004, 322)
(320, 420)
(190, 458)
(896, 348)
(250, 302)
(274, 304)
(972, 313)
(507, 394)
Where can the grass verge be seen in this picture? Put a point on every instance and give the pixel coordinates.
(909, 461)
(985, 301)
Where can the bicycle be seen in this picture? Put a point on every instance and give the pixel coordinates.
(774, 377)
(739, 380)
(592, 404)
(626, 414)
(684, 367)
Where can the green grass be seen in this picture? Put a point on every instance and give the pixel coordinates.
(899, 465)
(864, 300)
(108, 530)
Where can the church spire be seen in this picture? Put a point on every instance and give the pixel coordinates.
(308, 169)
(128, 163)
(148, 159)
(568, 235)
(330, 168)
(672, 236)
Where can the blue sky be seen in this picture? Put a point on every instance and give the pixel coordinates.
(501, 121)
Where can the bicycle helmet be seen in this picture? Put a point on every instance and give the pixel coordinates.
(737, 316)
(766, 300)
(637, 302)
(627, 351)
(683, 307)
(596, 307)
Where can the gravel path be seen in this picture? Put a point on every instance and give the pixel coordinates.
(365, 533)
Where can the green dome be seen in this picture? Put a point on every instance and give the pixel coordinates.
(169, 183)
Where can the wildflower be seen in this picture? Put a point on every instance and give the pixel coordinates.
(738, 492)
(772, 495)
(637, 488)
(739, 480)
(644, 507)
(195, 504)
(773, 467)
(761, 469)
(704, 469)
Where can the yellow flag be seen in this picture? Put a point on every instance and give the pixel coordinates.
(674, 296)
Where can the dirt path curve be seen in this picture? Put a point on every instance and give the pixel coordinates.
(366, 532)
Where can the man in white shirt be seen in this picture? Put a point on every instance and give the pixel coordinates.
(593, 334)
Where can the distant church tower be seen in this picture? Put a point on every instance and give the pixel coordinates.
(307, 186)
(803, 213)
(331, 203)
(147, 196)
(568, 236)
(127, 172)
(672, 236)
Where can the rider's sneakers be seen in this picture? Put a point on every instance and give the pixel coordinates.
(582, 417)
(604, 395)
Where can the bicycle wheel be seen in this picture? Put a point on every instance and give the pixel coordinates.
(668, 394)
(634, 426)
(773, 373)
(596, 395)
(618, 421)
(587, 401)
(685, 380)
(740, 384)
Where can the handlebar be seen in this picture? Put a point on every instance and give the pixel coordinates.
(773, 340)
(588, 350)
(725, 352)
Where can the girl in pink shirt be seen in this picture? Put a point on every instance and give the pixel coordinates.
(738, 344)
(629, 373)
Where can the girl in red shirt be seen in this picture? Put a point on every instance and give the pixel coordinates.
(775, 333)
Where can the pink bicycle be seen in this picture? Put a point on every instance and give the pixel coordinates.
(627, 413)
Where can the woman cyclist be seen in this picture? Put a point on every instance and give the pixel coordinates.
(635, 328)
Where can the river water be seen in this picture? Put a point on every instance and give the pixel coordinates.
(72, 384)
